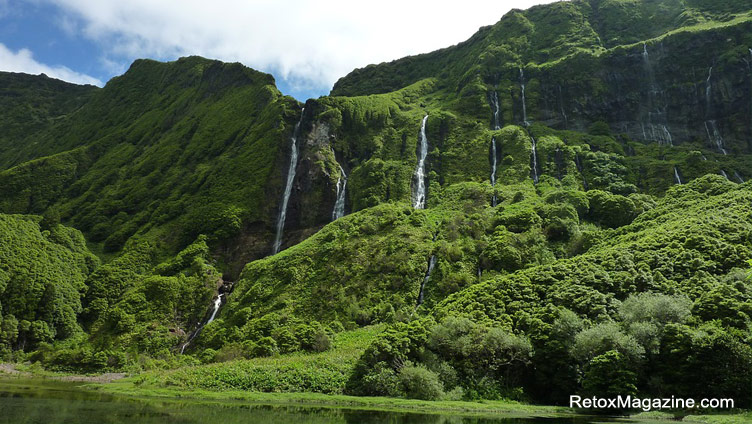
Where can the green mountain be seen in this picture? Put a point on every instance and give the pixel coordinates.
(557, 205)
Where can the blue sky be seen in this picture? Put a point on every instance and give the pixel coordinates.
(306, 45)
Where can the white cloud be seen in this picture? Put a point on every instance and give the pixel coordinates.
(314, 41)
(23, 61)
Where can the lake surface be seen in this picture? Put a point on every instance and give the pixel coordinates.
(53, 402)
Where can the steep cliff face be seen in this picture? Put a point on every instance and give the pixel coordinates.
(641, 66)
(691, 86)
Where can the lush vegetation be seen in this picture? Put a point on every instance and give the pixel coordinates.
(43, 270)
(607, 257)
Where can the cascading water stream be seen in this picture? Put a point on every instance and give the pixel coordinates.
(339, 205)
(288, 185)
(561, 108)
(714, 135)
(708, 87)
(534, 170)
(497, 126)
(431, 265)
(725, 175)
(711, 127)
(419, 194)
(738, 177)
(524, 103)
(493, 169)
(677, 178)
(215, 309)
(658, 130)
(217, 305)
(495, 101)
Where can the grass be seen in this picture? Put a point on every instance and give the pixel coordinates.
(127, 388)
(274, 380)
(325, 372)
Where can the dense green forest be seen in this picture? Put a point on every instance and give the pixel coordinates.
(587, 224)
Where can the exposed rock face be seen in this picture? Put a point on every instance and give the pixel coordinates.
(673, 96)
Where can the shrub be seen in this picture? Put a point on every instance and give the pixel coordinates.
(418, 382)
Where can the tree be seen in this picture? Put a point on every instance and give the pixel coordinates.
(608, 375)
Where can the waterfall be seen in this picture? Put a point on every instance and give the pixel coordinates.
(714, 136)
(215, 308)
(419, 195)
(738, 177)
(496, 126)
(495, 101)
(658, 128)
(288, 186)
(339, 205)
(708, 87)
(524, 105)
(217, 304)
(493, 169)
(677, 178)
(725, 175)
(704, 158)
(431, 265)
(667, 136)
(535, 161)
(561, 108)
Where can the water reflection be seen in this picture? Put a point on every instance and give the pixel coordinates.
(48, 402)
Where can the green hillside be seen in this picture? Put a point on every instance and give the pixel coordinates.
(586, 228)
(32, 104)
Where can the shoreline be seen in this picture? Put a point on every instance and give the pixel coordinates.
(118, 384)
(507, 408)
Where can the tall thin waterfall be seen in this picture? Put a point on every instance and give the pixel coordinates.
(677, 178)
(339, 205)
(667, 135)
(217, 304)
(725, 175)
(497, 126)
(496, 111)
(493, 169)
(708, 87)
(535, 160)
(714, 135)
(561, 108)
(524, 103)
(288, 186)
(419, 193)
(215, 308)
(739, 177)
(657, 121)
(431, 265)
(711, 127)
